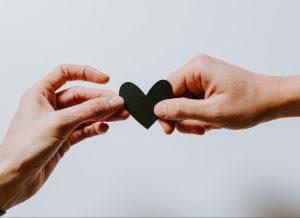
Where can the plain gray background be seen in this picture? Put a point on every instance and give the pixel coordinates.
(134, 172)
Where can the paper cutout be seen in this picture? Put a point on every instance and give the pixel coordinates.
(141, 106)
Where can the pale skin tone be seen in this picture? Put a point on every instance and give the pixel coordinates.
(212, 94)
(47, 124)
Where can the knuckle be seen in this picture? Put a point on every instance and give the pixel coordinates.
(74, 93)
(94, 130)
(63, 66)
(100, 107)
(200, 60)
(85, 133)
(84, 72)
(29, 93)
(203, 58)
(63, 121)
(95, 107)
(60, 68)
(26, 94)
(179, 109)
(218, 113)
(57, 122)
(64, 70)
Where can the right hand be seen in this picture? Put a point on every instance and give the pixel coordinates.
(212, 94)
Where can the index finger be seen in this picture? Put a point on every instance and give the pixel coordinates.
(177, 80)
(62, 74)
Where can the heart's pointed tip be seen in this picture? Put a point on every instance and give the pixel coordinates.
(146, 126)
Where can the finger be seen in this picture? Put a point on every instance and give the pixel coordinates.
(190, 129)
(198, 123)
(194, 82)
(192, 77)
(59, 76)
(91, 110)
(194, 127)
(97, 128)
(119, 116)
(168, 126)
(77, 95)
(122, 115)
(188, 95)
(178, 109)
(177, 80)
(94, 129)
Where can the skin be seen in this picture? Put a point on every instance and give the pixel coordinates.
(47, 123)
(212, 94)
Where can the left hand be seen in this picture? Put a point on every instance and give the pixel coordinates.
(47, 124)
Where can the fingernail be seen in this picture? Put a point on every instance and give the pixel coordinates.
(160, 110)
(116, 101)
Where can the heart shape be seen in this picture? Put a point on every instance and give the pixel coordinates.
(141, 106)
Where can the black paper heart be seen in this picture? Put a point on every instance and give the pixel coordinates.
(141, 106)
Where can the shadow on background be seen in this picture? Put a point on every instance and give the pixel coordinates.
(276, 205)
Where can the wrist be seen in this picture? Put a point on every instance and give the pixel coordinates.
(280, 96)
(9, 181)
(8, 191)
(289, 94)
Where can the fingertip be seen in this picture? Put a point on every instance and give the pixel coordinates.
(105, 79)
(169, 131)
(101, 128)
(125, 114)
(200, 131)
(101, 78)
(167, 126)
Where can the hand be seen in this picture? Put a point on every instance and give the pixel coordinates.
(47, 124)
(213, 94)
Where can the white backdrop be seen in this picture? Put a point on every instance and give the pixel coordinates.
(134, 172)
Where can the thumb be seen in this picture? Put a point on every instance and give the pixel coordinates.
(178, 109)
(95, 109)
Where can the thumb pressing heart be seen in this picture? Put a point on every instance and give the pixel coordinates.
(141, 106)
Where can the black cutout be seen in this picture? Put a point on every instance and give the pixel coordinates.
(141, 106)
